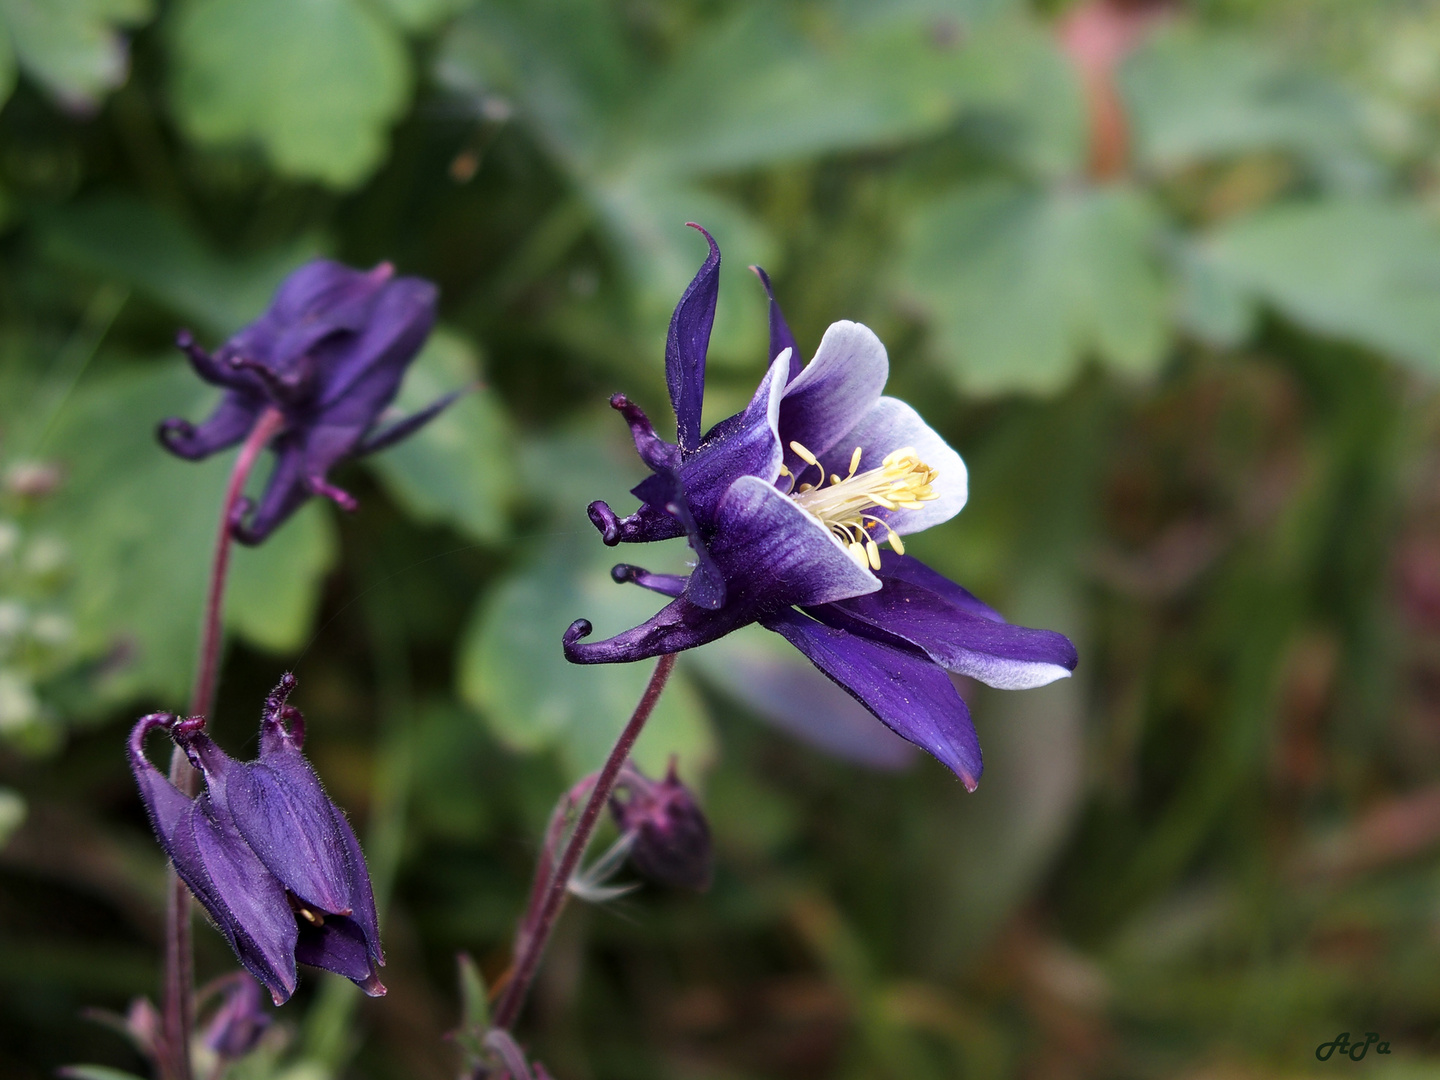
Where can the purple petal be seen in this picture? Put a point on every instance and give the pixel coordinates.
(377, 440)
(780, 336)
(246, 901)
(666, 584)
(231, 421)
(285, 492)
(998, 654)
(746, 444)
(687, 344)
(757, 670)
(646, 524)
(771, 554)
(835, 391)
(890, 425)
(662, 489)
(908, 568)
(318, 300)
(654, 451)
(911, 695)
(361, 373)
(775, 554)
(339, 946)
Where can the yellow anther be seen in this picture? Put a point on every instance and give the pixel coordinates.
(805, 455)
(902, 482)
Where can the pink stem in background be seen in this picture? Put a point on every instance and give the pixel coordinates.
(539, 920)
(178, 1014)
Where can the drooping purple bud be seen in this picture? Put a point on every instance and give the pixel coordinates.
(671, 836)
(266, 852)
(329, 354)
(240, 1021)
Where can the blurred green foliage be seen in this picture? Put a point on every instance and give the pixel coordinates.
(1174, 302)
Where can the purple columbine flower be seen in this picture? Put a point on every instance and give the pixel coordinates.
(265, 851)
(329, 353)
(671, 838)
(239, 1021)
(785, 506)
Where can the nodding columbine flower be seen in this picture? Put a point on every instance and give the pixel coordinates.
(265, 851)
(329, 354)
(670, 837)
(785, 506)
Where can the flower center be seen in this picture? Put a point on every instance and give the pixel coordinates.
(902, 482)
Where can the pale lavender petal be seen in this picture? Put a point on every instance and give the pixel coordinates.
(890, 425)
(835, 391)
(687, 343)
(910, 694)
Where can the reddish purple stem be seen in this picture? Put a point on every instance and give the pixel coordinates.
(545, 906)
(178, 1015)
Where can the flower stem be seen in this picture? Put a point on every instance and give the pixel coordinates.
(539, 921)
(178, 1016)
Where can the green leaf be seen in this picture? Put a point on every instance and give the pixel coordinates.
(1023, 286)
(418, 16)
(141, 526)
(1365, 271)
(315, 84)
(457, 469)
(12, 813)
(1192, 96)
(261, 604)
(73, 48)
(513, 671)
(148, 250)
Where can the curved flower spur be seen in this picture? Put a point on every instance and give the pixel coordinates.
(328, 354)
(265, 851)
(786, 506)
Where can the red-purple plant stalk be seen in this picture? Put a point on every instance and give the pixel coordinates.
(546, 903)
(178, 1013)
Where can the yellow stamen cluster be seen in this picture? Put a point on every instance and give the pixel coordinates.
(902, 482)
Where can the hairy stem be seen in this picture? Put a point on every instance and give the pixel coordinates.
(539, 921)
(178, 1015)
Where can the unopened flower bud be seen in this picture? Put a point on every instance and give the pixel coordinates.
(671, 836)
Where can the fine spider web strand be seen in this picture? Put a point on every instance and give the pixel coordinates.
(178, 1008)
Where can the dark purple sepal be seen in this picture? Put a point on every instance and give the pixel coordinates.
(340, 945)
(780, 336)
(687, 343)
(663, 489)
(996, 653)
(907, 691)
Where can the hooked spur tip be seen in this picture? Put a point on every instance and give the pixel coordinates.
(184, 339)
(604, 519)
(619, 401)
(383, 272)
(578, 629)
(623, 573)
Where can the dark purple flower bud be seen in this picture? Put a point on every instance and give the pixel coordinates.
(671, 836)
(240, 1020)
(266, 852)
(329, 354)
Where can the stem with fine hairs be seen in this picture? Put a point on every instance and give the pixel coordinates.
(178, 1009)
(539, 920)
